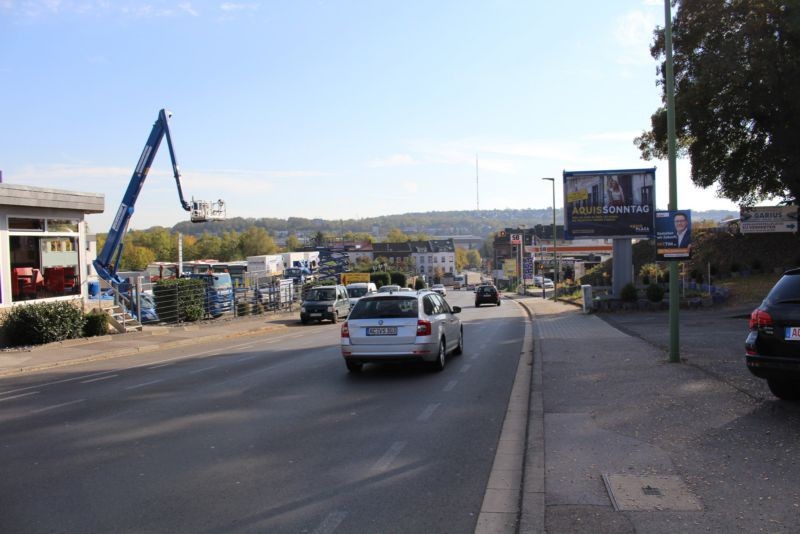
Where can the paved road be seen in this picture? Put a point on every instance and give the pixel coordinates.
(265, 434)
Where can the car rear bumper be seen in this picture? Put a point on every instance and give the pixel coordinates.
(773, 366)
(391, 353)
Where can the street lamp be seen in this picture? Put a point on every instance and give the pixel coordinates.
(555, 257)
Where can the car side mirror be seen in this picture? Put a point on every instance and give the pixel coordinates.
(456, 309)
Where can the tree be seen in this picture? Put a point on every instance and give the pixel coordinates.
(292, 243)
(473, 259)
(207, 247)
(136, 258)
(461, 259)
(737, 114)
(396, 235)
(255, 241)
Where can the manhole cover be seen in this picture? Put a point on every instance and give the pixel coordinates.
(642, 493)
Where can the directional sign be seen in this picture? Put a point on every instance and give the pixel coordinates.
(768, 219)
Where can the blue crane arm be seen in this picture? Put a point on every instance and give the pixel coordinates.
(108, 259)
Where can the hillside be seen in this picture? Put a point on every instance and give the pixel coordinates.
(471, 222)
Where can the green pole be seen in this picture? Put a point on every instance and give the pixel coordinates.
(674, 298)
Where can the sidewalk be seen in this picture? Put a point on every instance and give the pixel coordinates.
(619, 440)
(152, 338)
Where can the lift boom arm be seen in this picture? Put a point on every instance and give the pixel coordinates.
(201, 211)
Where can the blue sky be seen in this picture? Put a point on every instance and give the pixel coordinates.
(329, 109)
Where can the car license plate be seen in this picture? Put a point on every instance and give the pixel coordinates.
(792, 333)
(315, 314)
(382, 331)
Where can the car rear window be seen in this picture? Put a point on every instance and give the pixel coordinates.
(391, 307)
(786, 290)
(487, 290)
(328, 293)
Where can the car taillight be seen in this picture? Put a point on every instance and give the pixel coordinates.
(759, 318)
(345, 330)
(424, 328)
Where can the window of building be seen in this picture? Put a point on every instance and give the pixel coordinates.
(44, 258)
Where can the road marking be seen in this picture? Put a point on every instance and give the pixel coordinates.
(201, 370)
(450, 385)
(330, 523)
(97, 379)
(143, 384)
(19, 396)
(428, 412)
(160, 365)
(465, 368)
(386, 460)
(54, 406)
(246, 358)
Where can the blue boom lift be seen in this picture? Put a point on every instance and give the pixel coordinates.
(200, 211)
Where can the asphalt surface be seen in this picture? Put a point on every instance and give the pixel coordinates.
(619, 440)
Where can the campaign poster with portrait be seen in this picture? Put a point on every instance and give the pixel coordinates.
(609, 204)
(673, 234)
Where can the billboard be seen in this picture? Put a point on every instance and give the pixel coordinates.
(609, 204)
(673, 234)
(768, 219)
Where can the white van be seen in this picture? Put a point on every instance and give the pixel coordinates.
(356, 290)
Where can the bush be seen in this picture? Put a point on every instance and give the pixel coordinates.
(629, 293)
(43, 322)
(398, 278)
(419, 283)
(180, 299)
(242, 308)
(655, 293)
(380, 279)
(96, 324)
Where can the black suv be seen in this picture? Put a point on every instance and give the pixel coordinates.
(773, 345)
(487, 295)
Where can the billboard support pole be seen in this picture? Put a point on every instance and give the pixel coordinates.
(674, 298)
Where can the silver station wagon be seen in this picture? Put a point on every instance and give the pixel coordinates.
(401, 327)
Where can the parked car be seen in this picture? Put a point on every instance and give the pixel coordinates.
(773, 345)
(487, 294)
(439, 288)
(325, 302)
(539, 280)
(401, 327)
(356, 290)
(388, 288)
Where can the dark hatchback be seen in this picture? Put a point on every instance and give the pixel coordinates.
(773, 345)
(487, 295)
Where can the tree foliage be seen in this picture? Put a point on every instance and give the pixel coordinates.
(737, 113)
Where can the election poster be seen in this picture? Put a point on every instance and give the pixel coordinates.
(609, 204)
(673, 234)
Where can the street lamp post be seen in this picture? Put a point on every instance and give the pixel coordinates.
(555, 257)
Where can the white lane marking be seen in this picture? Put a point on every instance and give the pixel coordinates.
(54, 406)
(386, 460)
(19, 396)
(450, 385)
(330, 523)
(245, 358)
(97, 379)
(201, 370)
(159, 366)
(465, 368)
(473, 357)
(428, 412)
(143, 384)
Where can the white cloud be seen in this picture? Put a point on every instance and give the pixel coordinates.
(187, 7)
(633, 33)
(411, 187)
(230, 7)
(395, 160)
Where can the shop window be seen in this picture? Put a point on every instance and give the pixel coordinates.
(44, 267)
(26, 224)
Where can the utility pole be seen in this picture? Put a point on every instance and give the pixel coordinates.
(674, 298)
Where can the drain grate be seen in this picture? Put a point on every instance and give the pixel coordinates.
(645, 493)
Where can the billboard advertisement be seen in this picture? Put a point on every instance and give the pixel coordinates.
(673, 234)
(609, 204)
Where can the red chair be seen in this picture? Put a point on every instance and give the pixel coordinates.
(54, 280)
(24, 281)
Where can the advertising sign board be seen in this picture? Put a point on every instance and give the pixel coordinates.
(673, 234)
(609, 204)
(768, 219)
